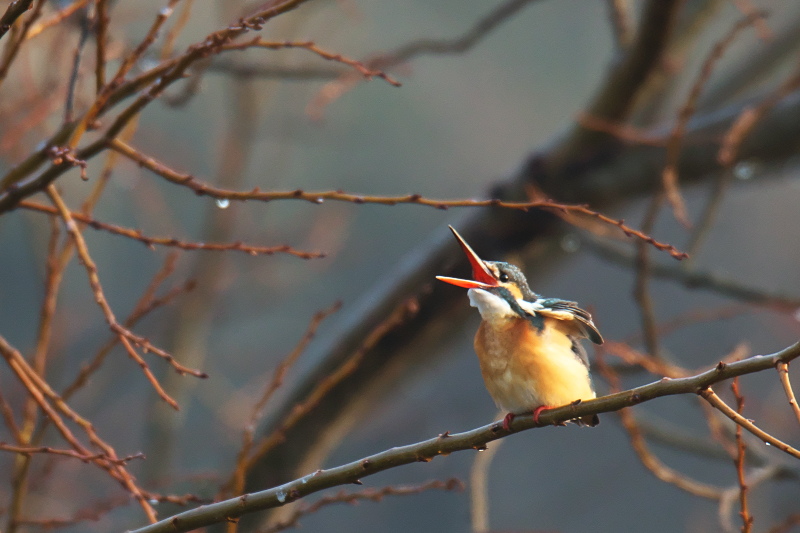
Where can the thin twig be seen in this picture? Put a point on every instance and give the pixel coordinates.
(90, 513)
(459, 45)
(171, 242)
(783, 373)
(647, 457)
(57, 18)
(363, 69)
(375, 495)
(641, 292)
(277, 380)
(175, 31)
(446, 444)
(624, 132)
(202, 189)
(479, 487)
(730, 496)
(11, 423)
(15, 10)
(125, 335)
(750, 116)
(27, 450)
(747, 519)
(747, 8)
(43, 394)
(670, 173)
(788, 523)
(619, 12)
(653, 365)
(658, 468)
(146, 304)
(695, 279)
(694, 317)
(401, 314)
(717, 402)
(101, 29)
(10, 53)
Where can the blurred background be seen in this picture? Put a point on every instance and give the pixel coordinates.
(460, 124)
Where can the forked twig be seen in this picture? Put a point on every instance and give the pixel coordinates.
(126, 336)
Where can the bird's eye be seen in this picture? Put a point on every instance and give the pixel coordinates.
(503, 277)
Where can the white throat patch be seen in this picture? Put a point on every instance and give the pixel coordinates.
(492, 308)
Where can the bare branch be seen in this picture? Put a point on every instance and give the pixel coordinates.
(717, 402)
(57, 18)
(27, 450)
(90, 513)
(277, 380)
(126, 336)
(11, 423)
(695, 279)
(375, 495)
(446, 444)
(15, 10)
(750, 116)
(747, 519)
(365, 71)
(401, 314)
(783, 372)
(202, 189)
(151, 242)
(670, 174)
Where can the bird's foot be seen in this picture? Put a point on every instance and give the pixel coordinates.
(507, 421)
(538, 411)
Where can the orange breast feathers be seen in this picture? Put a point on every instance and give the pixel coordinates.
(525, 368)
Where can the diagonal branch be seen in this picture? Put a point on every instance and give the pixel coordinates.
(670, 173)
(14, 11)
(783, 372)
(127, 338)
(712, 398)
(237, 481)
(446, 444)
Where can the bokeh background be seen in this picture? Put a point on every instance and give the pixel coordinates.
(459, 124)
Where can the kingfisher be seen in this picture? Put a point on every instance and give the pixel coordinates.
(529, 347)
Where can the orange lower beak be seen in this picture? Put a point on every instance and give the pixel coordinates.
(483, 276)
(466, 283)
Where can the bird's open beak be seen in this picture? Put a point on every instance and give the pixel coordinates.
(483, 276)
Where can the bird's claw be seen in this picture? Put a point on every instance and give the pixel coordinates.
(507, 421)
(538, 411)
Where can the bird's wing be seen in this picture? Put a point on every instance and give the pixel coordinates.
(565, 310)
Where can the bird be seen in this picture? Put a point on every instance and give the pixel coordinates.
(529, 347)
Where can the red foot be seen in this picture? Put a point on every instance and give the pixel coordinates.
(538, 411)
(507, 421)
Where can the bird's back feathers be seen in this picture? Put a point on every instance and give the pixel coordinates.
(566, 310)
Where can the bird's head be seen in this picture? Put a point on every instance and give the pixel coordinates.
(496, 287)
